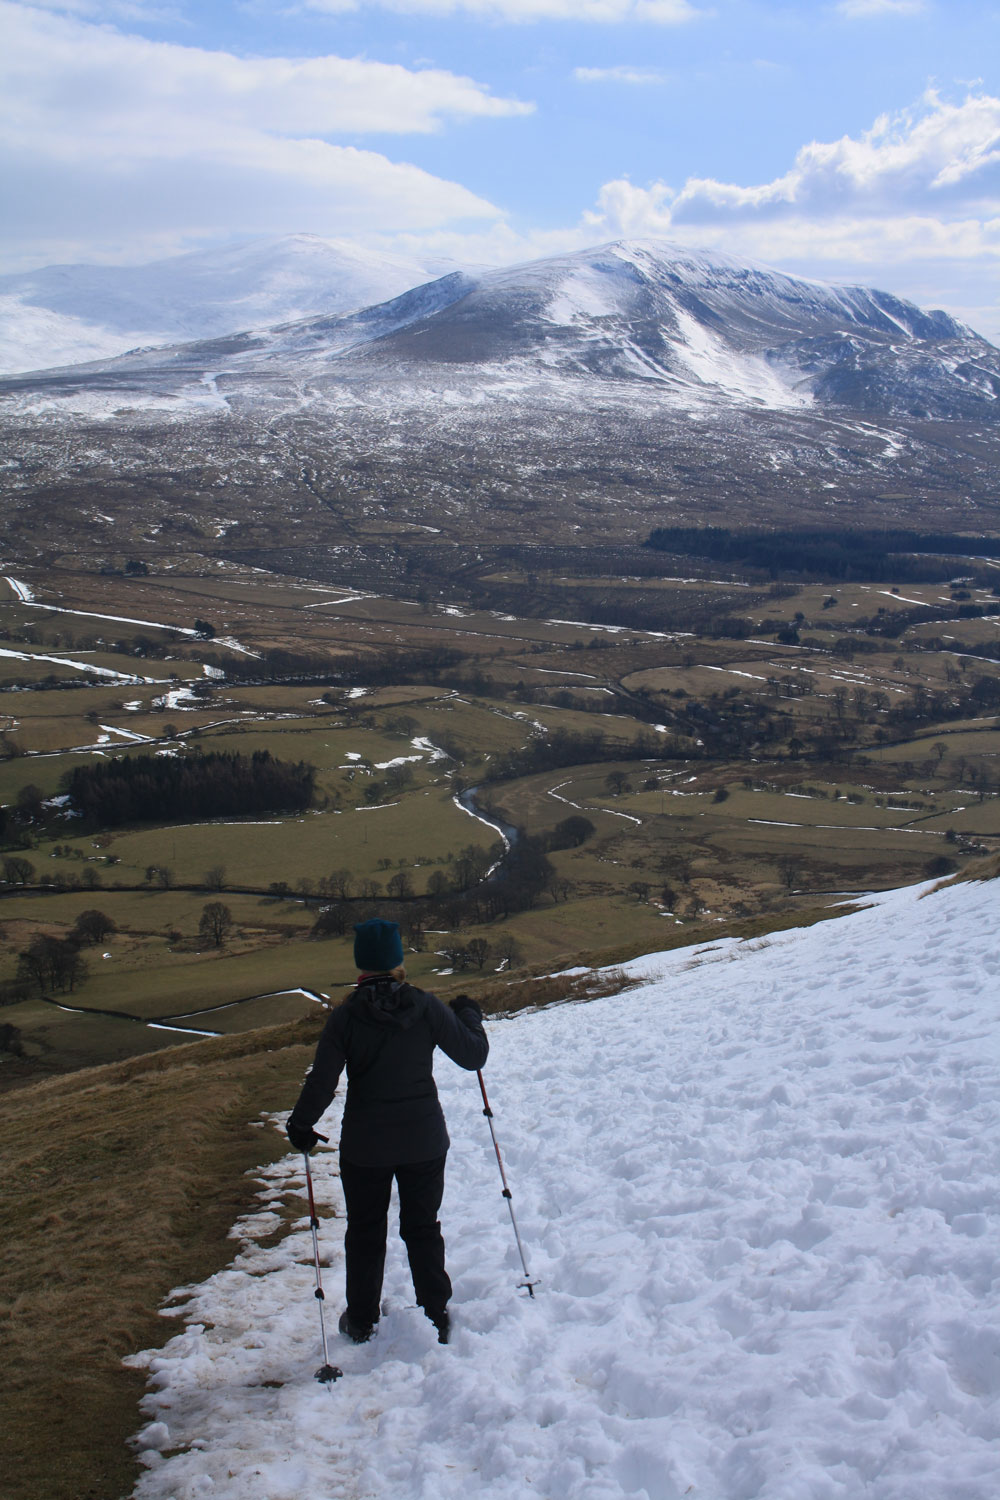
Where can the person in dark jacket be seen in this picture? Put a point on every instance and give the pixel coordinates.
(385, 1034)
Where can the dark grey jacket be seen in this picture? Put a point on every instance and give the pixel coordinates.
(385, 1034)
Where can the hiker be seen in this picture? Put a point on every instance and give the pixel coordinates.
(385, 1033)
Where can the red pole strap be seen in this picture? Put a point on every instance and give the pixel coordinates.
(314, 1222)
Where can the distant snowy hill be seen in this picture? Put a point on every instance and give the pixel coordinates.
(762, 1192)
(639, 318)
(63, 315)
(635, 375)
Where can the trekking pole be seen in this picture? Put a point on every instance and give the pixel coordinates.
(326, 1372)
(527, 1284)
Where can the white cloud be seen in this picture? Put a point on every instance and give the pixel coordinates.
(861, 9)
(940, 162)
(657, 12)
(65, 78)
(121, 137)
(621, 74)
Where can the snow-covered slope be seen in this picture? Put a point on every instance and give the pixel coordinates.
(632, 322)
(62, 315)
(762, 1191)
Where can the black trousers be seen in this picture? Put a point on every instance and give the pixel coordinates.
(367, 1191)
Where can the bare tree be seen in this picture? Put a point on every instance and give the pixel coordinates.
(216, 922)
(478, 950)
(507, 950)
(18, 871)
(52, 963)
(93, 926)
(400, 885)
(215, 878)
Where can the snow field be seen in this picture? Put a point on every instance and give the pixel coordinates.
(761, 1192)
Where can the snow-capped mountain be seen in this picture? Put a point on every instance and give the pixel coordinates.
(62, 315)
(627, 377)
(642, 316)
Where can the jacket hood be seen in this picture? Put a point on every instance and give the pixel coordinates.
(387, 1002)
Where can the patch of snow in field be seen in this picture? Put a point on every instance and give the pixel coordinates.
(345, 599)
(184, 1030)
(554, 792)
(81, 666)
(562, 672)
(126, 734)
(21, 590)
(233, 644)
(90, 614)
(903, 598)
(178, 698)
(631, 817)
(761, 1192)
(733, 672)
(425, 746)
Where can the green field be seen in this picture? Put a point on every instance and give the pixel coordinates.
(834, 797)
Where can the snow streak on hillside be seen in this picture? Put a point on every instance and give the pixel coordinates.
(763, 1194)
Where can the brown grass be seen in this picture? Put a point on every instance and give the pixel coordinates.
(977, 869)
(604, 974)
(120, 1183)
(551, 989)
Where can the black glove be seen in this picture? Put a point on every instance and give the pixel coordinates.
(466, 1002)
(303, 1139)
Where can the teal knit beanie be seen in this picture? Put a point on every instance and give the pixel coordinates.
(377, 946)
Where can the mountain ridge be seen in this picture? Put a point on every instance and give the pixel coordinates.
(632, 382)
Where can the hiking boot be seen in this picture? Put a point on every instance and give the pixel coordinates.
(358, 1333)
(442, 1322)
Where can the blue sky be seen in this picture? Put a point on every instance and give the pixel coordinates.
(850, 139)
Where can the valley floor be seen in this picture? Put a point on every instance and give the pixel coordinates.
(760, 1190)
